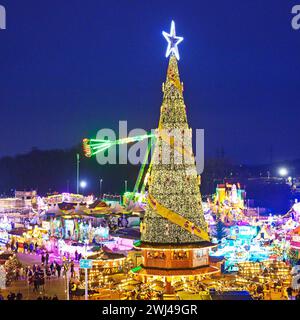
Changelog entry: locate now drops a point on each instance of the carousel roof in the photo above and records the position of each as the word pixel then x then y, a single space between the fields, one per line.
pixel 106 255
pixel 98 204
pixel 130 205
pixel 117 208
pixel 66 206
pixel 141 270
pixel 170 246
pixel 138 207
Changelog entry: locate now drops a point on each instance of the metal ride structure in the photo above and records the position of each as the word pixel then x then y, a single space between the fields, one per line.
pixel 92 147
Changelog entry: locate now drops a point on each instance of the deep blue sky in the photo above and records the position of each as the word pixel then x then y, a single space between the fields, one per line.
pixel 69 68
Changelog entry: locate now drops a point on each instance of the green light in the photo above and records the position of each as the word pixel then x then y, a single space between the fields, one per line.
pixel 93 146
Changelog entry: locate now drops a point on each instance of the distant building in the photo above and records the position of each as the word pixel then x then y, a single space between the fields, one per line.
pixel 22 202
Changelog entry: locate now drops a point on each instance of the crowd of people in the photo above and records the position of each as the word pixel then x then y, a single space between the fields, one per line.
pixel 261 291
pixel 19 296
pixel 27 247
pixel 13 296
pixel 39 273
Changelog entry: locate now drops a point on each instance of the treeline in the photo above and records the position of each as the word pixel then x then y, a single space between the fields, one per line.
pixel 48 171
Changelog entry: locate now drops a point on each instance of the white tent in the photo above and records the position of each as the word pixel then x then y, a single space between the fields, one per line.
pixel 137 207
pixel 130 205
pixel 117 208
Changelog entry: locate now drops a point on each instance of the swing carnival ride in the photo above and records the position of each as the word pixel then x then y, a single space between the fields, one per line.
pixel 92 147
pixel 174 238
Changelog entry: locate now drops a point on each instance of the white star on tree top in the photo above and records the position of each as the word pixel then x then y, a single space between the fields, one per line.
pixel 173 41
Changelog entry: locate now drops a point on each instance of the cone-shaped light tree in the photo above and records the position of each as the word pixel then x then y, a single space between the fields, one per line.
pixel 173 180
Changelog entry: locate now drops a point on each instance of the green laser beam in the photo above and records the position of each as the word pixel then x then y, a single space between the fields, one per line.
pixel 94 146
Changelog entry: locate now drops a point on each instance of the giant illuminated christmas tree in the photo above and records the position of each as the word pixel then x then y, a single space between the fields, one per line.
pixel 174 183
pixel 174 240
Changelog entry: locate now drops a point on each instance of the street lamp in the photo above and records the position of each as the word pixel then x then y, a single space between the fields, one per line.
pixel 77 172
pixel 101 180
pixel 83 185
pixel 283 172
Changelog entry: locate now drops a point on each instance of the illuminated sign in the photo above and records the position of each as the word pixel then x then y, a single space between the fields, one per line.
pixel 243 231
pixel 68 198
pixel 86 264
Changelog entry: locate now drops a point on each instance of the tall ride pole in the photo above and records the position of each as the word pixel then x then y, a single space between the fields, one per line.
pixel 77 179
pixel 101 180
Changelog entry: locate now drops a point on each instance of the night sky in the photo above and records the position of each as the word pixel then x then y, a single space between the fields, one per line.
pixel 69 68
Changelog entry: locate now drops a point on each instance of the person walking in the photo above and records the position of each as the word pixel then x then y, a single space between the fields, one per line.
pixel 17 246
pixel 11 296
pixel 19 296
pixel 43 259
pixel 48 273
pixel 42 280
pixel 21 273
pixel 76 255
pixel 289 292
pixel 17 274
pixel 47 258
pixel 36 282
pixel 58 268
pixel 12 245
pixel 72 269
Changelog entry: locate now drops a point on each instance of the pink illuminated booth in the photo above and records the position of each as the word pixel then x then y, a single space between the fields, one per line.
pixel 295 240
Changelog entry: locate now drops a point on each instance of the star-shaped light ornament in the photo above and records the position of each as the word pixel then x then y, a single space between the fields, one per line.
pixel 173 41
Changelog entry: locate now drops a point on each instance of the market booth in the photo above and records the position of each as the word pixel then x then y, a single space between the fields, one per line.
pixel 295 241
pixel 35 235
pixel 264 272
pixel 106 266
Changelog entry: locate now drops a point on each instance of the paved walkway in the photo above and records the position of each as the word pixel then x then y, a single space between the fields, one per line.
pixel 54 286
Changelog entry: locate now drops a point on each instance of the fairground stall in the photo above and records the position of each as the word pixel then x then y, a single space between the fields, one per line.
pixel 106 267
